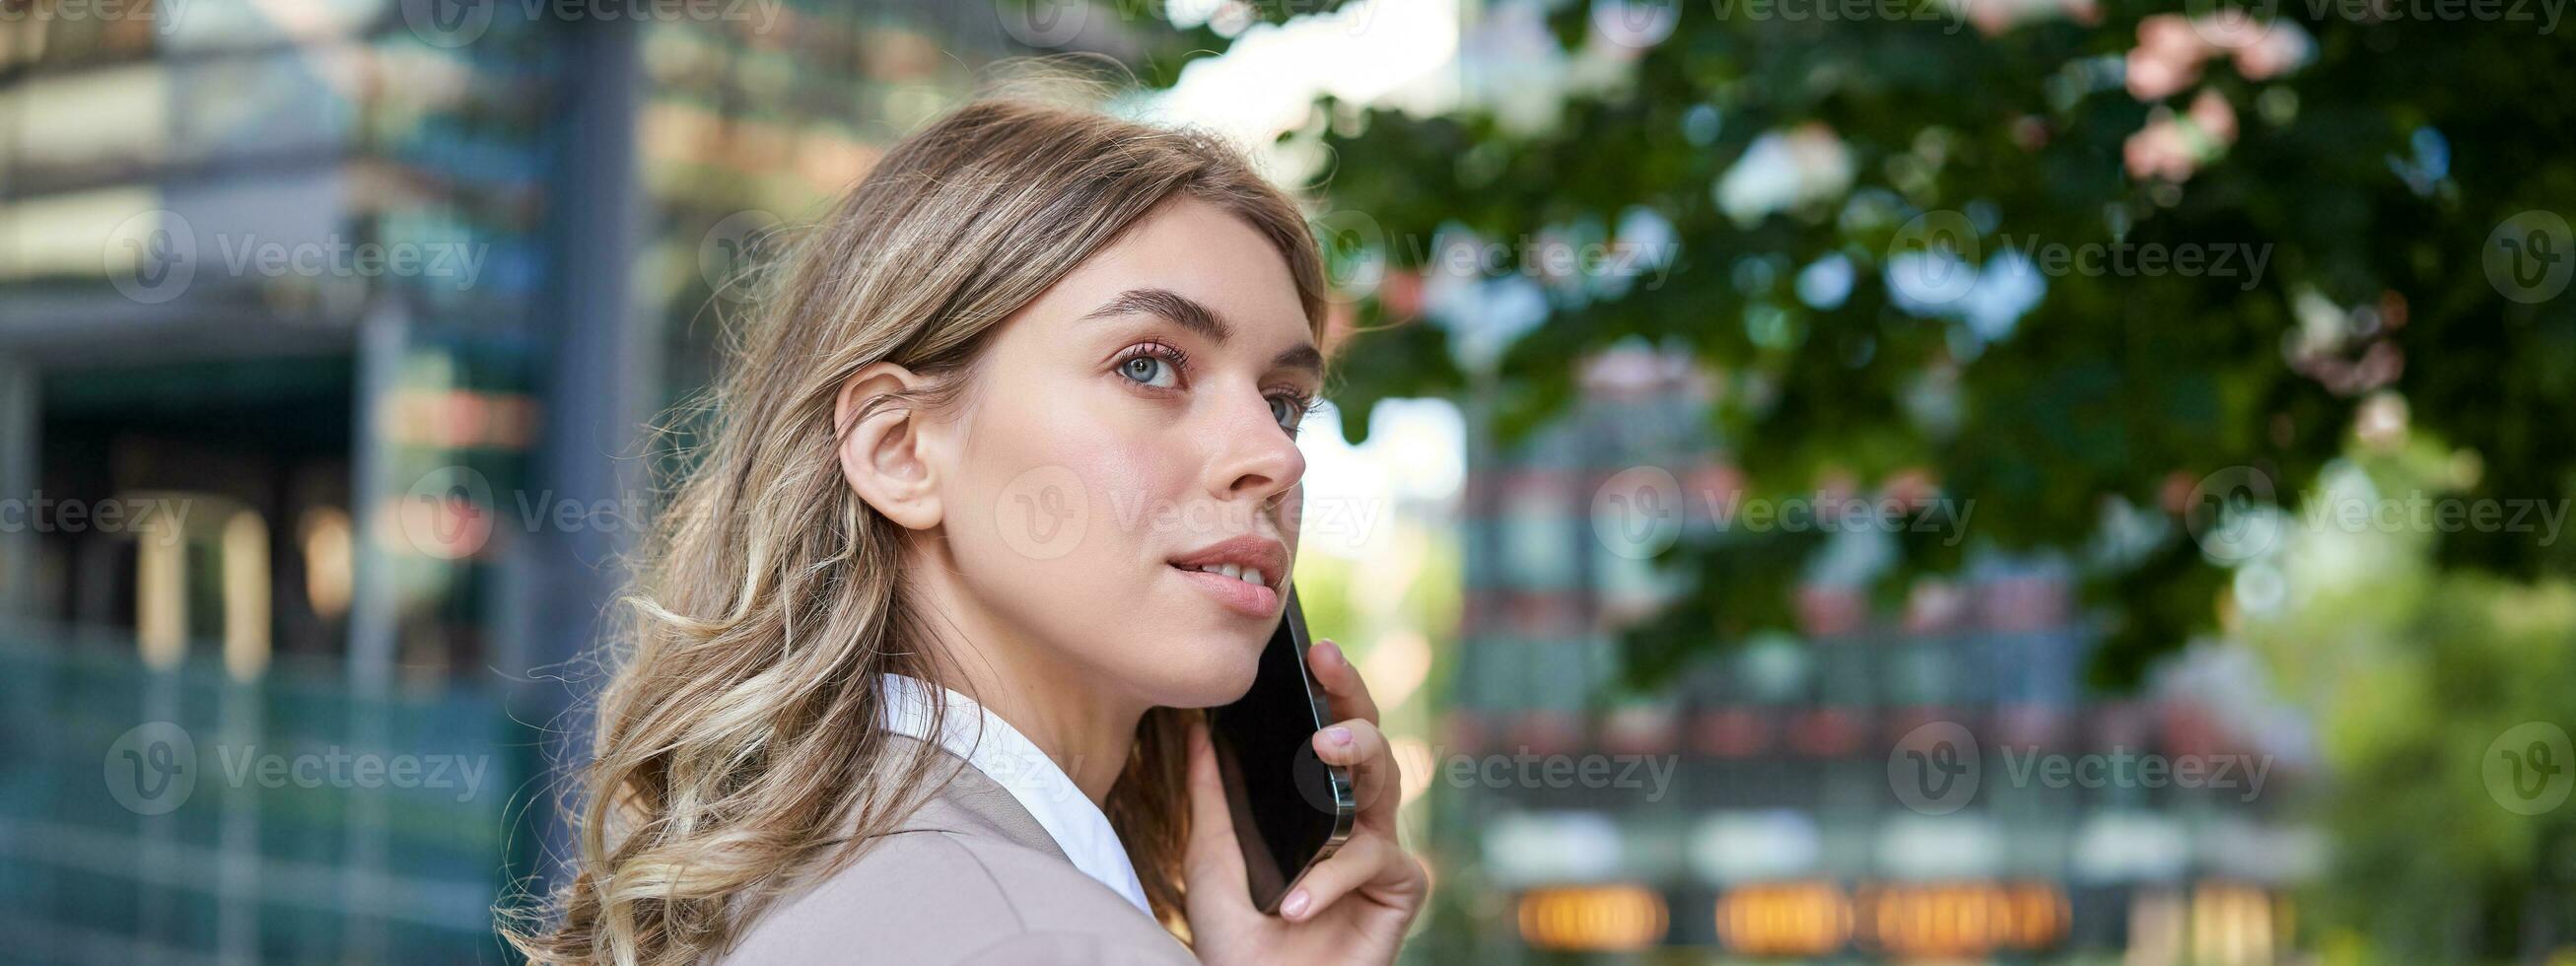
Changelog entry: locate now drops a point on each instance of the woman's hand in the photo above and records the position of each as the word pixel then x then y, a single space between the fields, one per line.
pixel 1352 908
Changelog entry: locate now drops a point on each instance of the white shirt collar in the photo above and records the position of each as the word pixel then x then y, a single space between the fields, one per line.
pixel 1014 762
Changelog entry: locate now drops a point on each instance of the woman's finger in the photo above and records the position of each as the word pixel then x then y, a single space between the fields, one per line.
pixel 1342 684
pixel 1212 861
pixel 1359 746
pixel 1365 860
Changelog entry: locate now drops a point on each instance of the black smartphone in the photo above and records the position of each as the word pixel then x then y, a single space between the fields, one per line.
pixel 1291 809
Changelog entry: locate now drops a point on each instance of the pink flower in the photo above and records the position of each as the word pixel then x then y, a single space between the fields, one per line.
pixel 2154 77
pixel 2173 146
pixel 2211 113
pixel 1991 19
pixel 2171 35
pixel 2167 58
pixel 2160 150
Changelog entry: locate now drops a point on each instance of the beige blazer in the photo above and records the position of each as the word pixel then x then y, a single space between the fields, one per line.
pixel 970 878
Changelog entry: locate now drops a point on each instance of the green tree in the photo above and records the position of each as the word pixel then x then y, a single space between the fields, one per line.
pixel 2427 687
pixel 2369 177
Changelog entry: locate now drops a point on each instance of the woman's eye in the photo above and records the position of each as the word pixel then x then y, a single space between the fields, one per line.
pixel 1289 411
pixel 1150 371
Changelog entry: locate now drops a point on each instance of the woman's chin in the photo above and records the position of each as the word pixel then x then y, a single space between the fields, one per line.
pixel 1204 679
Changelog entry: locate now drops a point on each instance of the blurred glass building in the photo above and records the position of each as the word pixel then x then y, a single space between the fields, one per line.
pixel 1934 783
pixel 326 333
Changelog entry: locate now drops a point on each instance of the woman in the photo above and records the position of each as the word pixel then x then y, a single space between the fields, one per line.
pixel 999 488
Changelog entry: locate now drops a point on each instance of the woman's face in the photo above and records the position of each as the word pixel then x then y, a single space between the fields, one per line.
pixel 1129 437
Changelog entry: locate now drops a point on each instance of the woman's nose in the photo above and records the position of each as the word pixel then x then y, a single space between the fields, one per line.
pixel 1256 458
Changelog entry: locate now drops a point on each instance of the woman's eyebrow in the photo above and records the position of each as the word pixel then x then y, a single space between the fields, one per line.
pixel 1180 309
pixel 1190 314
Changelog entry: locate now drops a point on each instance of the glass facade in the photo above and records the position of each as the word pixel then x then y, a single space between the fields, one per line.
pixel 1874 784
pixel 318 324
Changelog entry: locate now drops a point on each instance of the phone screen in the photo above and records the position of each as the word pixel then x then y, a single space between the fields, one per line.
pixel 1291 810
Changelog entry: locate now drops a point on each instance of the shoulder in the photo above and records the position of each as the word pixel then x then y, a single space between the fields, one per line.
pixel 936 896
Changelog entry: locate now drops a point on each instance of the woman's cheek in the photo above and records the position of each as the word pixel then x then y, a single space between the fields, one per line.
pixel 1292 520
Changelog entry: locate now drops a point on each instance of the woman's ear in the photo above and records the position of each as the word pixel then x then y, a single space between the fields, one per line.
pixel 885 457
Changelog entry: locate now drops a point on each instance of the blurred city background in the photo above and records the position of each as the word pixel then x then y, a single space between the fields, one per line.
pixel 1811 480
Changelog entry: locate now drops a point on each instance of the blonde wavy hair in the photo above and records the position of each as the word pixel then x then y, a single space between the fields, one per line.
pixel 738 751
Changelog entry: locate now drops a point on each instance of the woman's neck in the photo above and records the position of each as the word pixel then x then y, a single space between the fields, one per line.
pixel 1060 706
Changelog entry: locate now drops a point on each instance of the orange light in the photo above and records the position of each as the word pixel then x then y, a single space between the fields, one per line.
pixel 1959 919
pixel 1593 918
pixel 1788 919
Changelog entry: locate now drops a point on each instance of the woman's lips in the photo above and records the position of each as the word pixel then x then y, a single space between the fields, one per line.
pixel 1247 599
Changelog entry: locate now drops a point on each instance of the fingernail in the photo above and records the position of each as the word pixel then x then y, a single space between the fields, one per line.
pixel 1338 735
pixel 1334 651
pixel 1295 905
